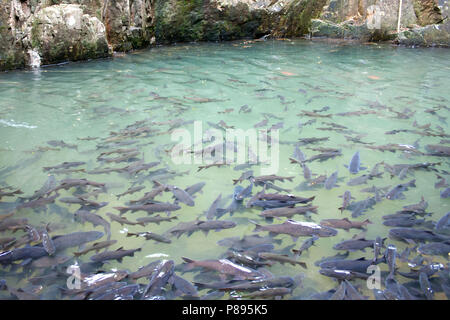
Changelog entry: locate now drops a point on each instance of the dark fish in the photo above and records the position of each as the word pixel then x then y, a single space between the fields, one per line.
pixel 281 258
pixel 163 272
pixel 268 293
pixel 130 191
pixel 118 255
pixel 415 234
pixel 211 213
pixel 324 156
pixel 62 144
pixel 358 265
pixel 22 254
pixel 156 219
pixel 403 222
pixel 306 245
pixel 445 193
pixel 47 261
pixel 443 222
pixel 225 267
pixel 435 248
pixel 48 244
pixel 345 223
pixel 75 239
pixel 182 196
pixel 287 212
pixel 96 220
pixel 199 225
pixel 355 164
pixel 149 208
pixel 246 242
pixel 297 229
pixel 343 274
pixel 354 244
pixel 150 236
pixel 65 165
pixel 97 246
pixel 331 181
pixel 145 271
pixel 346 198
pixel 123 220
pixel 191 190
pixel 426 286
pixel 244 176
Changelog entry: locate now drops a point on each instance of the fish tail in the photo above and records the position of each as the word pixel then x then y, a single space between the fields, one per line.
pixel 122 210
pixel 341 209
pixel 313 209
pixel 235 181
pixel 302 264
pixel 258 227
pixel 190 263
pixel 142 223
pixel 367 221
pixel 77 254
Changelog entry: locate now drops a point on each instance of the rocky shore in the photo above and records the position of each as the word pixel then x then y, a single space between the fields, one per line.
pixel 39 32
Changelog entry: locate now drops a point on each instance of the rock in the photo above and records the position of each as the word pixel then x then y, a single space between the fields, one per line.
pixel 63 32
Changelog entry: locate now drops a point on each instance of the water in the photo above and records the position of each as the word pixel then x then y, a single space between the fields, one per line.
pixel 95 98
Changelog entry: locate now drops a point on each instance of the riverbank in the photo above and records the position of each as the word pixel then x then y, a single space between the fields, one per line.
pixel 43 32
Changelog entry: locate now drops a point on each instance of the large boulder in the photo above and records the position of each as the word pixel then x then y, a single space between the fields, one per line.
pixel 128 23
pixel 64 32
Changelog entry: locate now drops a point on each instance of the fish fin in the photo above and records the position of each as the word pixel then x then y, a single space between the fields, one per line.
pixel 302 264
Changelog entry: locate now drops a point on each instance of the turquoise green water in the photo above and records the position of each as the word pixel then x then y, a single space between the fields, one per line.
pixel 94 98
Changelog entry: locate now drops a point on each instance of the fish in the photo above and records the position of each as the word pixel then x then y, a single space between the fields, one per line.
pixel 403 222
pixel 118 255
pixel 323 156
pixel 415 234
pixel 343 274
pixel 65 165
pixel 425 286
pixel 354 244
pixel 287 212
pixel 130 191
pixel 445 193
pixel 48 243
pixel 261 124
pixel 352 293
pixel 211 212
pixel 225 267
pixel 441 183
pixel 24 253
pixel 443 222
pixel 246 242
pixel 199 225
pixel 69 183
pixel 163 272
pixel 313 114
pixel 156 219
pixel 435 248
pixel 48 261
pixel 296 229
pixel 96 220
pixel 123 220
pixel 307 174
pixel 149 208
pixel 150 236
pixel 246 258
pixel 182 196
pixel 340 292
pixel 305 141
pixel 338 256
pixel 244 176
pixel 346 198
pixel 62 144
pixel 144 271
pixel 281 258
pixel 359 265
pixel 268 293
pixel 271 178
pixel 397 191
pixel 182 286
pixel 255 285
pixel 191 190
pixel 359 207
pixel 355 164
pixel 344 223
pixel 330 182
pixel 75 239
pixel 97 246
pixel 306 245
